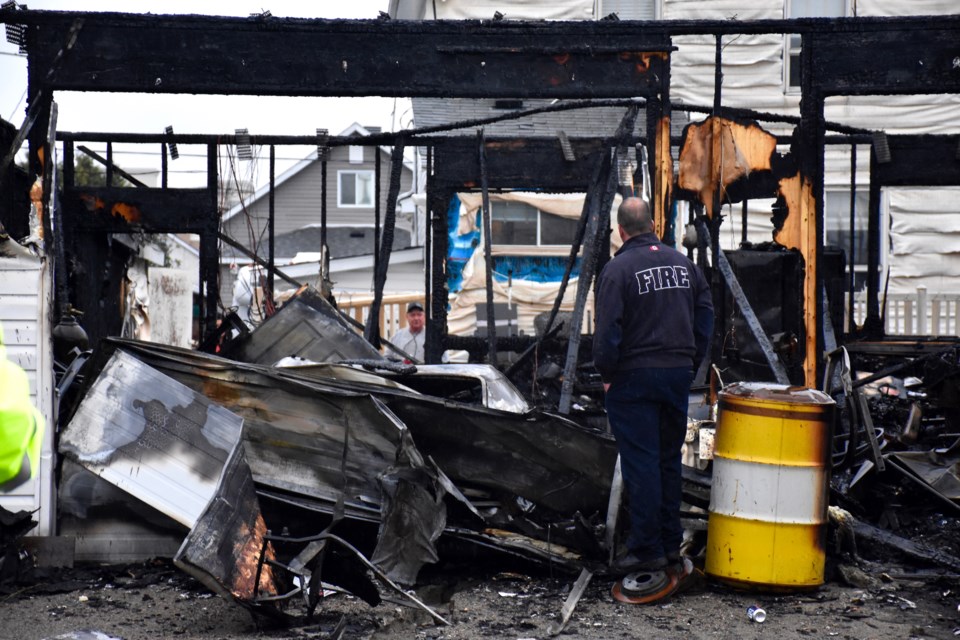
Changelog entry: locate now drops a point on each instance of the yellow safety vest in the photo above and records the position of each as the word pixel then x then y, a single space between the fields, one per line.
pixel 21 425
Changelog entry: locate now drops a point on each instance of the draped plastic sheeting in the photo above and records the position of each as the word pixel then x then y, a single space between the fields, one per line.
pixel 924 240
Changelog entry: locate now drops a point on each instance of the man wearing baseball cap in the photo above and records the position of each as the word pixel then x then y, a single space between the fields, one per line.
pixel 410 339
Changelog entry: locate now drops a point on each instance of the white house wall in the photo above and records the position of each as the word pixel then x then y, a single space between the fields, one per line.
pixel 25 301
pixel 400 278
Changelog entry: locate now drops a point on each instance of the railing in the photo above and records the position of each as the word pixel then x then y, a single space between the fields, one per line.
pixel 919 313
pixel 393 310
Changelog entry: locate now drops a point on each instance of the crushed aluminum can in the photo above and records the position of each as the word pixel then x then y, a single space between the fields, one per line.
pixel 756 614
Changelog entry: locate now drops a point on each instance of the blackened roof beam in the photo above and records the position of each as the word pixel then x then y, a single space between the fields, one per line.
pixel 216 55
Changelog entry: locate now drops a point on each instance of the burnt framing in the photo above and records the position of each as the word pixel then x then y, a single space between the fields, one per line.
pixel 271 56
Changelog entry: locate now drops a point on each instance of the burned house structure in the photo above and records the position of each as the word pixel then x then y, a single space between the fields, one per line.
pixel 788 302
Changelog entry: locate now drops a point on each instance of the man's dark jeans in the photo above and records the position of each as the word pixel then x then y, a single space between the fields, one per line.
pixel 647 410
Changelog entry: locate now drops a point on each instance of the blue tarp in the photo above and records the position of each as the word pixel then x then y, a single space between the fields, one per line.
pixel 518 267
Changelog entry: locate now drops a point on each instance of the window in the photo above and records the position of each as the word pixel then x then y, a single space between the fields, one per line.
pixel 630 9
pixel 519 223
pixel 356 189
pixel 836 214
pixel 806 9
pixel 356 154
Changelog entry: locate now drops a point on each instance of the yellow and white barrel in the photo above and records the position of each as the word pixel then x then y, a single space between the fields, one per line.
pixel 768 504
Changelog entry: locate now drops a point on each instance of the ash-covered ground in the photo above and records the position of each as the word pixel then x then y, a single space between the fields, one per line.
pixel 860 600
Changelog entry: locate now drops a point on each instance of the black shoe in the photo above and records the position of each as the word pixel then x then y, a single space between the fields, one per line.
pixel 631 563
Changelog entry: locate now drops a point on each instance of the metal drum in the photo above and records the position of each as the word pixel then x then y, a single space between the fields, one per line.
pixel 768 505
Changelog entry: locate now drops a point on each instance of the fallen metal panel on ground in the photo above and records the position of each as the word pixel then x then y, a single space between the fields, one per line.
pixel 152 437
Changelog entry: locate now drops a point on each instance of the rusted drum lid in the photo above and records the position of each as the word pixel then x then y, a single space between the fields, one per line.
pixel 769 393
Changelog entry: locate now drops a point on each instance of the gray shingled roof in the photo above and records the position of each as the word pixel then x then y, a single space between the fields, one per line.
pixel 578 123
pixel 344 242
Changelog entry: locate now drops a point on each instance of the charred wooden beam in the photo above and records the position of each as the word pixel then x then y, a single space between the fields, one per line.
pixel 382 252
pixel 531 163
pixel 487 248
pixel 286 56
pixel 123 210
pixel 901 60
pixel 920 160
pixel 601 197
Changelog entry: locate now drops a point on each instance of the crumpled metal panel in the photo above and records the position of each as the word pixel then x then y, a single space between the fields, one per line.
pixel 152 437
pixel 413 517
pixel 223 549
pixel 544 458
pixel 939 470
pixel 306 326
pixel 294 433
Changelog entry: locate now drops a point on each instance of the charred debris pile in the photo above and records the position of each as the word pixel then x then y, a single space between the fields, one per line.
pixel 339 469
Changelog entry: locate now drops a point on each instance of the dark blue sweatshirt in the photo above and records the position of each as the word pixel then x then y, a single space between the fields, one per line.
pixel 653 309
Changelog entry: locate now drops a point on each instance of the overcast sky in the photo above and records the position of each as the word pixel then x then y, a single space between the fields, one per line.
pixel 202 114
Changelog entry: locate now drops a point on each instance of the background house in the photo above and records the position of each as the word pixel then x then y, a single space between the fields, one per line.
pixel 350 199
pixel 761 72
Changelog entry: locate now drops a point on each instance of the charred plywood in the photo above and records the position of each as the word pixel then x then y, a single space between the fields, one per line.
pixel 718 152
pixel 152 437
pixel 118 210
pixel 799 231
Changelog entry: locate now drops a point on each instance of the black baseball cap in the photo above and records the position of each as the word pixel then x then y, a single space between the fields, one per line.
pixel 414 306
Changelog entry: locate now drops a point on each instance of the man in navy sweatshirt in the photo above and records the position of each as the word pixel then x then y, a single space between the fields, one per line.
pixel 654 318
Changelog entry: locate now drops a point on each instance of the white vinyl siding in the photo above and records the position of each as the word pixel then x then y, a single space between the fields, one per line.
pixel 25 298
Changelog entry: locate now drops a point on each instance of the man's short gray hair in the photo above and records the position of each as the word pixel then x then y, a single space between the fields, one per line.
pixel 634 216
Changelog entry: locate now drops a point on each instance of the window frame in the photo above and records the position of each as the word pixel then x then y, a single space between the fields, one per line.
pixel 863 213
pixel 340 173
pixel 539 227
pixel 849 9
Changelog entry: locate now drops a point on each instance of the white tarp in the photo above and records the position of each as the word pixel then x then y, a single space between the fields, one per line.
pixel 924 239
